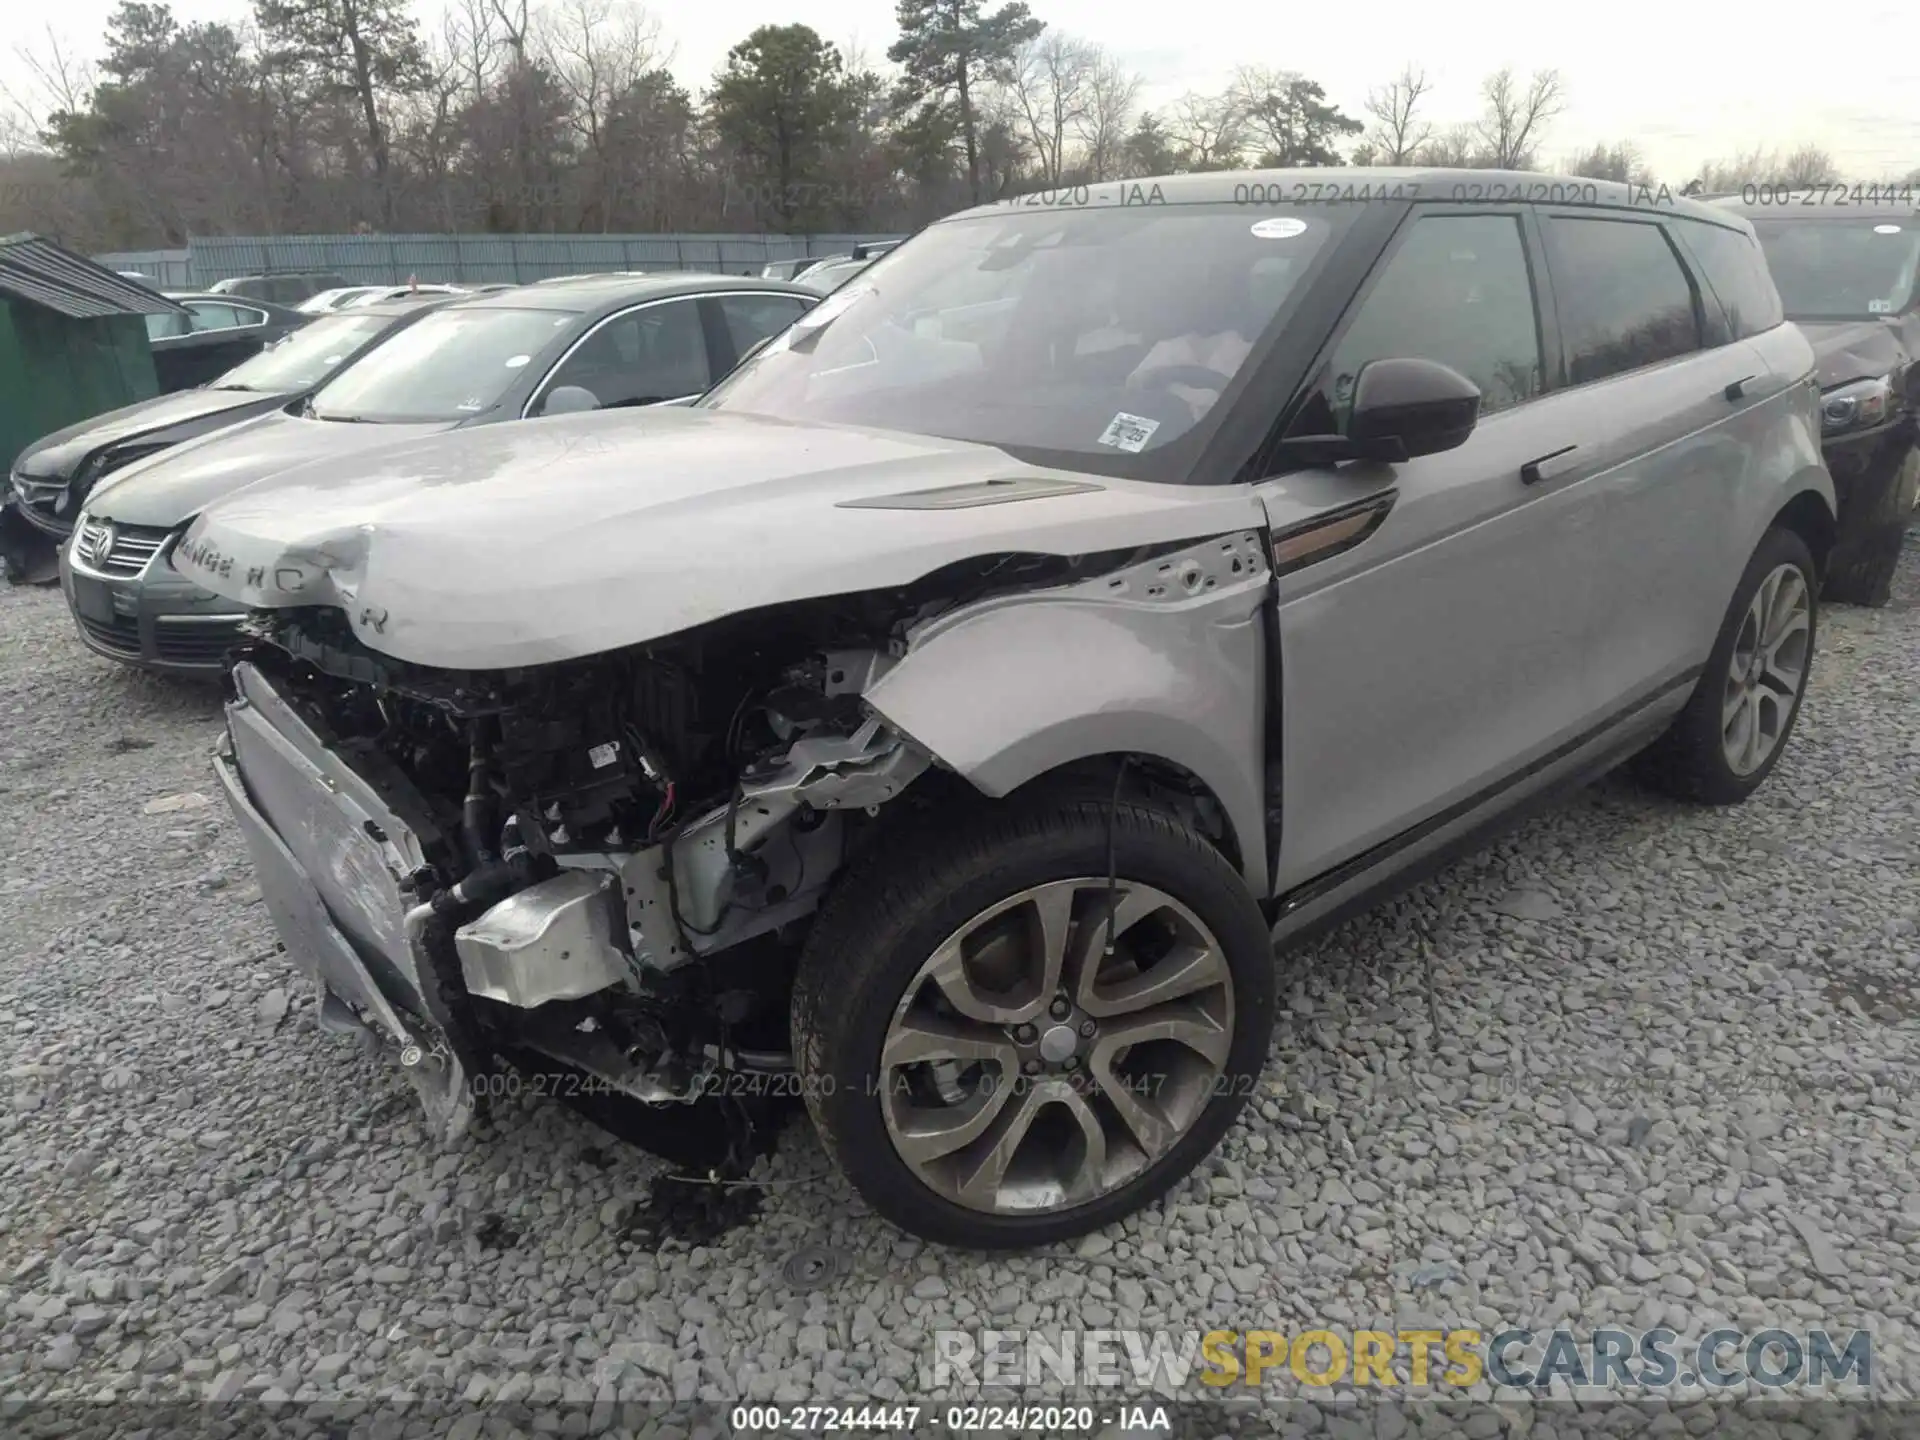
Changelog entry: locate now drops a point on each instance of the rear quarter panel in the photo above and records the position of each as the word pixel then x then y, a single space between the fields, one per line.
pixel 1784 444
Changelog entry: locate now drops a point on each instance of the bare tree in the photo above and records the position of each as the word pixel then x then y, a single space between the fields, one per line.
pixel 1517 116
pixel 1620 162
pixel 1113 102
pixel 1807 166
pixel 1208 131
pixel 598 50
pixel 1051 91
pixel 470 37
pixel 58 80
pixel 1398 134
pixel 1455 148
pixel 1750 167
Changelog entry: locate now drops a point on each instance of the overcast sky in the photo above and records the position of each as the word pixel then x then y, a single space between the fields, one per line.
pixel 1686 80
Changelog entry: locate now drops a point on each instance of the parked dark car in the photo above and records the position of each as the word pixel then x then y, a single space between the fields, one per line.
pixel 215 334
pixel 824 279
pixel 289 288
pixel 1849 276
pixel 53 476
pixel 401 292
pixel 327 301
pixel 596 343
pixel 791 269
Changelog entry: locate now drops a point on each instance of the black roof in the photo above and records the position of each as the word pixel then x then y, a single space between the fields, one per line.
pixel 44 273
pixel 591 292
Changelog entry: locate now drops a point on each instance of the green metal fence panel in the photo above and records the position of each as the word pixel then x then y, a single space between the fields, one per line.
pixel 491 259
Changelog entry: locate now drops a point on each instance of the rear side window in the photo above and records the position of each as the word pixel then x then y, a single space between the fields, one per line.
pixel 1624 299
pixel 1736 270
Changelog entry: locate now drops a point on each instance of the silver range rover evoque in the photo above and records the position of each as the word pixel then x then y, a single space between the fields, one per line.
pixel 944 718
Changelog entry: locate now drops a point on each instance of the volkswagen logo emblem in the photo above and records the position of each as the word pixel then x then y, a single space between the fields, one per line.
pixel 99 544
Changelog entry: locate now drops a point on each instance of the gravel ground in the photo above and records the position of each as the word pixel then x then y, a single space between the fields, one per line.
pixel 1659 1067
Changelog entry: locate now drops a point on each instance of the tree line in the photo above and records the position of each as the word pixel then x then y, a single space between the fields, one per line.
pixel 324 116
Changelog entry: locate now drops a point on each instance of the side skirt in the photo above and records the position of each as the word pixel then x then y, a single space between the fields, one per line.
pixel 1394 865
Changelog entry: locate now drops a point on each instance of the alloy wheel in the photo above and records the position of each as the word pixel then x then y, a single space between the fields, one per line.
pixel 1056 1045
pixel 1768 669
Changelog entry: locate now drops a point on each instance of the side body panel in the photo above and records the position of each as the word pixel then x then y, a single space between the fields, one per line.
pixel 1446 650
pixel 1165 659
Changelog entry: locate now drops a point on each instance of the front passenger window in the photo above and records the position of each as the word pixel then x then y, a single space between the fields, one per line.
pixel 655 353
pixel 1456 290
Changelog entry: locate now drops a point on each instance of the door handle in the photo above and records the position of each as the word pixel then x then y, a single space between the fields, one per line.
pixel 1738 389
pixel 1548 466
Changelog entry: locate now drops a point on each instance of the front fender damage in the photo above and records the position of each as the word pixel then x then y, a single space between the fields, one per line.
pixel 1165 658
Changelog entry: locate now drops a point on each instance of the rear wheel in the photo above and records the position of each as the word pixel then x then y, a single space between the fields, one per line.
pixel 1734 729
pixel 987 1068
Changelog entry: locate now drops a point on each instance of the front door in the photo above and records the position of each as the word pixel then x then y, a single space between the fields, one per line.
pixel 1438 656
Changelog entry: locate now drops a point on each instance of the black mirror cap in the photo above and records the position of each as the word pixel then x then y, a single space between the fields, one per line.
pixel 1405 407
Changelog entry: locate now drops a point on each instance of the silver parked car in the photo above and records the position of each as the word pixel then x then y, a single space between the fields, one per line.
pixel 942 719
pixel 473 360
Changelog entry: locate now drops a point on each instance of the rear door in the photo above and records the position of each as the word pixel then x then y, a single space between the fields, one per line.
pixel 1442 650
pixel 1661 400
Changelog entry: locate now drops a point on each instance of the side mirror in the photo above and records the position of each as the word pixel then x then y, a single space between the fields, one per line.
pixel 1404 408
pixel 569 400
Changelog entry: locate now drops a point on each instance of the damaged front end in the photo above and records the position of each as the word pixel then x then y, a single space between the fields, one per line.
pixel 599 870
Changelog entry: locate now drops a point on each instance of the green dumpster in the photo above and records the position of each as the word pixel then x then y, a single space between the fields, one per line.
pixel 73 344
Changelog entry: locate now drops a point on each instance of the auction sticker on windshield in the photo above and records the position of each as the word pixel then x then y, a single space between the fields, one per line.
pixel 1282 227
pixel 1129 432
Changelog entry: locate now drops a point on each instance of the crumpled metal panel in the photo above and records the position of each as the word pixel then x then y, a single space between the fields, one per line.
pixel 349 842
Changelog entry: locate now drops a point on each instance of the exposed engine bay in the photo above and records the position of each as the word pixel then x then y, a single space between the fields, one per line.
pixel 612 862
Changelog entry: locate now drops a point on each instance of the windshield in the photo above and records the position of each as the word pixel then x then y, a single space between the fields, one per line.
pixel 306 356
pixel 449 366
pixel 1094 338
pixel 1845 269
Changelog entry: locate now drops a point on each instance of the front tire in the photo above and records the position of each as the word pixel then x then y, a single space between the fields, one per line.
pixel 1736 726
pixel 981 1067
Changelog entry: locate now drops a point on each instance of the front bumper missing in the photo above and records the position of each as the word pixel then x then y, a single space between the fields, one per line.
pixel 332 858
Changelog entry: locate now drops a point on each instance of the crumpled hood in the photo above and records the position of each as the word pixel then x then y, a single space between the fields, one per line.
pixel 1849 350
pixel 173 486
pixel 546 540
pixel 187 412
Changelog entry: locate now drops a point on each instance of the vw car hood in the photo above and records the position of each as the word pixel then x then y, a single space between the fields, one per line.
pixel 173 486
pixel 557 538
pixel 57 456
pixel 1846 350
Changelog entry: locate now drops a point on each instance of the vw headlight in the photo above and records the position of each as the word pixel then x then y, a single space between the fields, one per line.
pixel 1859 405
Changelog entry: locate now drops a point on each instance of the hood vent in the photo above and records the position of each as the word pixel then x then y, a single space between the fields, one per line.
pixel 965 497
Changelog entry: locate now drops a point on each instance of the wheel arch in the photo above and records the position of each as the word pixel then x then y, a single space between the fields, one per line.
pixel 1810 515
